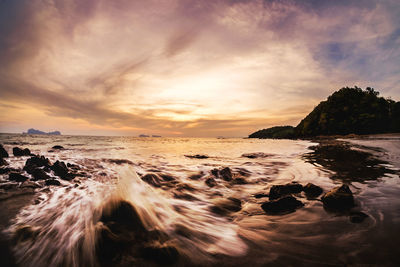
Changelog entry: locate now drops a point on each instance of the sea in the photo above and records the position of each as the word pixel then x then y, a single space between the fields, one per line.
pixel 60 223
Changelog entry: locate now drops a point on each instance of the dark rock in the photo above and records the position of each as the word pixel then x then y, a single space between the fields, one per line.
pixel 3 152
pixel 152 179
pixel 224 206
pixel 3 162
pixel 226 174
pixel 278 191
pixel 312 190
pixel 34 162
pixel 261 195
pixel 119 161
pixel 196 176
pixel 239 180
pixel 61 170
pixel 8 185
pixel 215 172
pixel 197 156
pixel 17 177
pixel 211 182
pixel 167 177
pixel 52 182
pixel 339 199
pixel 58 147
pixel 286 204
pixel 165 255
pixel 357 217
pixel 185 196
pixel 21 152
pixel 256 155
pixel 7 170
pixel 40 174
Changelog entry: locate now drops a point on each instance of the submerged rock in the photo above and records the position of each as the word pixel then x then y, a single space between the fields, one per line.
pixel 13 176
pixel 312 190
pixel 211 182
pixel 283 205
pixel 239 180
pixel 40 174
pixel 3 152
pixel 21 152
pixel 226 174
pixel 278 191
pixel 357 217
pixel 224 206
pixel 162 255
pixel 215 172
pixel 256 155
pixel 3 162
pixel 340 198
pixel 197 156
pixel 196 176
pixel 58 147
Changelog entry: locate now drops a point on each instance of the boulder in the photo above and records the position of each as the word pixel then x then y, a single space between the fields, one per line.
pixel 312 190
pixel 211 182
pixel 196 176
pixel 339 199
pixel 215 172
pixel 57 147
pixel 197 156
pixel 239 180
pixel 13 176
pixel 152 179
pixel 226 174
pixel 224 206
pixel 52 182
pixel 21 152
pixel 34 162
pixel 283 205
pixel 278 191
pixel 261 195
pixel 3 152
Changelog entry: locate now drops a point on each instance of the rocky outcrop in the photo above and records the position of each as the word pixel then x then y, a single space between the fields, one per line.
pixel 312 190
pixel 61 170
pixel 13 176
pixel 226 174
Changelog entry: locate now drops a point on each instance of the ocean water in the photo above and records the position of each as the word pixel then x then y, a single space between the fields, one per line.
pixel 64 218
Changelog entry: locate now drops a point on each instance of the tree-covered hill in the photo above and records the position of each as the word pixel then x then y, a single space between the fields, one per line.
pixel 277 132
pixel 347 111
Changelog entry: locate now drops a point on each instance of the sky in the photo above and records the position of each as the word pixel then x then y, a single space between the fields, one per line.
pixel 185 67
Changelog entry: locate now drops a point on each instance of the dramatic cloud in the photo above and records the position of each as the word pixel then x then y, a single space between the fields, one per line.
pixel 187 68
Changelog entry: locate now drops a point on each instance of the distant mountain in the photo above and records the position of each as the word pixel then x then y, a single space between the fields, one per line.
pixel 34 131
pixel 347 111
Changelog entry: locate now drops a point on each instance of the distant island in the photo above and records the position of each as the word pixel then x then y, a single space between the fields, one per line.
pixel 346 111
pixel 34 131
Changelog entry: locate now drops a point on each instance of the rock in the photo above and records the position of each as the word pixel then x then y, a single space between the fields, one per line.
pixel 223 206
pixel 3 152
pixel 286 204
pixel 21 152
pixel 152 179
pixel 261 195
pixel 196 176
pixel 215 172
pixel 256 155
pixel 7 170
pixel 3 162
pixel 164 255
pixel 197 156
pixel 226 174
pixel 185 196
pixel 40 174
pixel 278 191
pixel 239 180
pixel 357 217
pixel 312 190
pixel 339 199
pixel 61 170
pixel 34 162
pixel 211 182
pixel 52 182
pixel 8 186
pixel 13 176
pixel 58 147
pixel 167 177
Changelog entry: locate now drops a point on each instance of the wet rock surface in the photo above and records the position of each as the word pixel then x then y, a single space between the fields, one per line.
pixel 283 205
pixel 3 162
pixel 13 176
pixel 21 152
pixel 338 199
pixel 197 156
pixel 278 191
pixel 3 152
pixel 224 206
pixel 312 190
pixel 256 155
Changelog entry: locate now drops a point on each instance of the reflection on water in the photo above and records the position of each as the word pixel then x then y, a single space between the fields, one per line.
pixel 143 200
